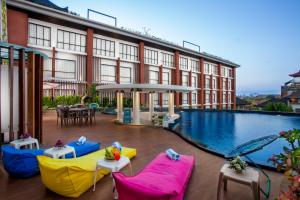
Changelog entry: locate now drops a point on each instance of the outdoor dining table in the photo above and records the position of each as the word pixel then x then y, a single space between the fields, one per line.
pixel 78 113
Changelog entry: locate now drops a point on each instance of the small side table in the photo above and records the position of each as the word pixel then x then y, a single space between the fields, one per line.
pixel 25 142
pixel 61 152
pixel 249 177
pixel 112 166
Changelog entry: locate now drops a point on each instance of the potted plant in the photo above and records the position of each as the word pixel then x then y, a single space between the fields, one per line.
pixel 25 136
pixel 238 165
pixel 59 144
pixel 289 162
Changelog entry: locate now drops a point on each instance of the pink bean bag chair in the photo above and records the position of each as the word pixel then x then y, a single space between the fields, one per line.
pixel 162 179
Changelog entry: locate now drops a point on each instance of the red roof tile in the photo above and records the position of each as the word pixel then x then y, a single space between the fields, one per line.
pixel 297 74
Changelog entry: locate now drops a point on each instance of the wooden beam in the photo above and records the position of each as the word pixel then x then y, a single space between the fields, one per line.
pixel 30 92
pixel 0 94
pixel 21 92
pixel 11 95
pixel 38 91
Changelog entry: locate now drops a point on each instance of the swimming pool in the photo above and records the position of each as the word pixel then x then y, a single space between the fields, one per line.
pixel 220 132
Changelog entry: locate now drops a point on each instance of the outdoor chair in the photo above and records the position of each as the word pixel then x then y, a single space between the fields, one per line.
pixel 83 116
pixel 83 149
pixel 162 179
pixel 93 115
pixel 72 177
pixel 94 106
pixel 21 163
pixel 58 113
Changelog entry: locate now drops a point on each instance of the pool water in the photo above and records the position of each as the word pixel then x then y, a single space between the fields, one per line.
pixel 223 131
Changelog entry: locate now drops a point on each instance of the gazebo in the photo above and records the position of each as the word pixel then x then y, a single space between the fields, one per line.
pixel 136 90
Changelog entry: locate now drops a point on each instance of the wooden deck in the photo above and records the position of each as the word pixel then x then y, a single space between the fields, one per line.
pixel 149 142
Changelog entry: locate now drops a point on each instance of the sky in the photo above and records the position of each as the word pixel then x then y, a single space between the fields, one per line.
pixel 263 36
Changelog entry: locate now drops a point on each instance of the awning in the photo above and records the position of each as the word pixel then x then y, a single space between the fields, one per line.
pixel 49 86
pixel 145 88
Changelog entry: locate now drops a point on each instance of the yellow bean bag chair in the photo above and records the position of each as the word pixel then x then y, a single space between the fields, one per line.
pixel 72 177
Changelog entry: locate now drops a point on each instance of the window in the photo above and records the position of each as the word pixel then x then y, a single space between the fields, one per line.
pixel 184 98
pixel 167 60
pixel 128 52
pixel 229 97
pixel 183 63
pixel 153 77
pixel 214 83
pixel 214 97
pixel 229 85
pixel 165 98
pixel 47 68
pixel 185 80
pixel 155 99
pixel 224 84
pixel 151 56
pixel 224 97
pixel 207 82
pixel 223 71
pixel 39 35
pixel 71 41
pixel 104 47
pixel 194 98
pixel 108 73
pixel 194 81
pixel 214 70
pixel 125 75
pixel 207 97
pixel 65 69
pixel 206 68
pixel 195 66
pixel 230 73
pixel 166 78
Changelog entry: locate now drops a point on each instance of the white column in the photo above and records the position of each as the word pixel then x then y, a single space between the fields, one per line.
pixel 118 107
pixel 151 106
pixel 136 108
pixel 171 103
pixel 121 106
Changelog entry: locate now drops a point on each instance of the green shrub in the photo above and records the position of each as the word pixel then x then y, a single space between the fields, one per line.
pixel 279 107
pixel 105 102
pixel 127 102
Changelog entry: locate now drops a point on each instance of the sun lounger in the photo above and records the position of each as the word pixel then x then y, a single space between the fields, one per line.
pixel 72 177
pixel 162 179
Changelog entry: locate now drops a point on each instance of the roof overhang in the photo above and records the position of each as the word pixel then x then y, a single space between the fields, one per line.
pixel 53 13
pixel 145 88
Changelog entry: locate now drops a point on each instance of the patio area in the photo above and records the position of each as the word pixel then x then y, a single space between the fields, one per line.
pixel 149 142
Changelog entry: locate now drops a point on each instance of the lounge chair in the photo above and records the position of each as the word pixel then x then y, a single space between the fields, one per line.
pixel 72 177
pixel 162 179
pixel 21 163
pixel 83 149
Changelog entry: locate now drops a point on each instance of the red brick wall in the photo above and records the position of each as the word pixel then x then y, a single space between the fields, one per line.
pixel 118 71
pixel 17 27
pixel 220 95
pixel 89 56
pixel 160 81
pixel 201 83
pixel 190 84
pixel 177 76
pixel 233 98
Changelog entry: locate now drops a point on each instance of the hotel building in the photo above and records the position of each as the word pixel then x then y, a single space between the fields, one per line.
pixel 83 52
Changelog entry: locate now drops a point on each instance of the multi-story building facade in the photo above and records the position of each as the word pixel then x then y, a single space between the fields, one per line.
pixel 290 91
pixel 82 52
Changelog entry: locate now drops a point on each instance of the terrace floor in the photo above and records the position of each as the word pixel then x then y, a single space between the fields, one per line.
pixel 149 141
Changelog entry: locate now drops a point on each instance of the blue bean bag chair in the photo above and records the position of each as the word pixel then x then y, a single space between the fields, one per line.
pixel 21 163
pixel 83 149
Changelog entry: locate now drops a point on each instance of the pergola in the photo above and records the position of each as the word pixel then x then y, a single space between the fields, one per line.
pixel 136 89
